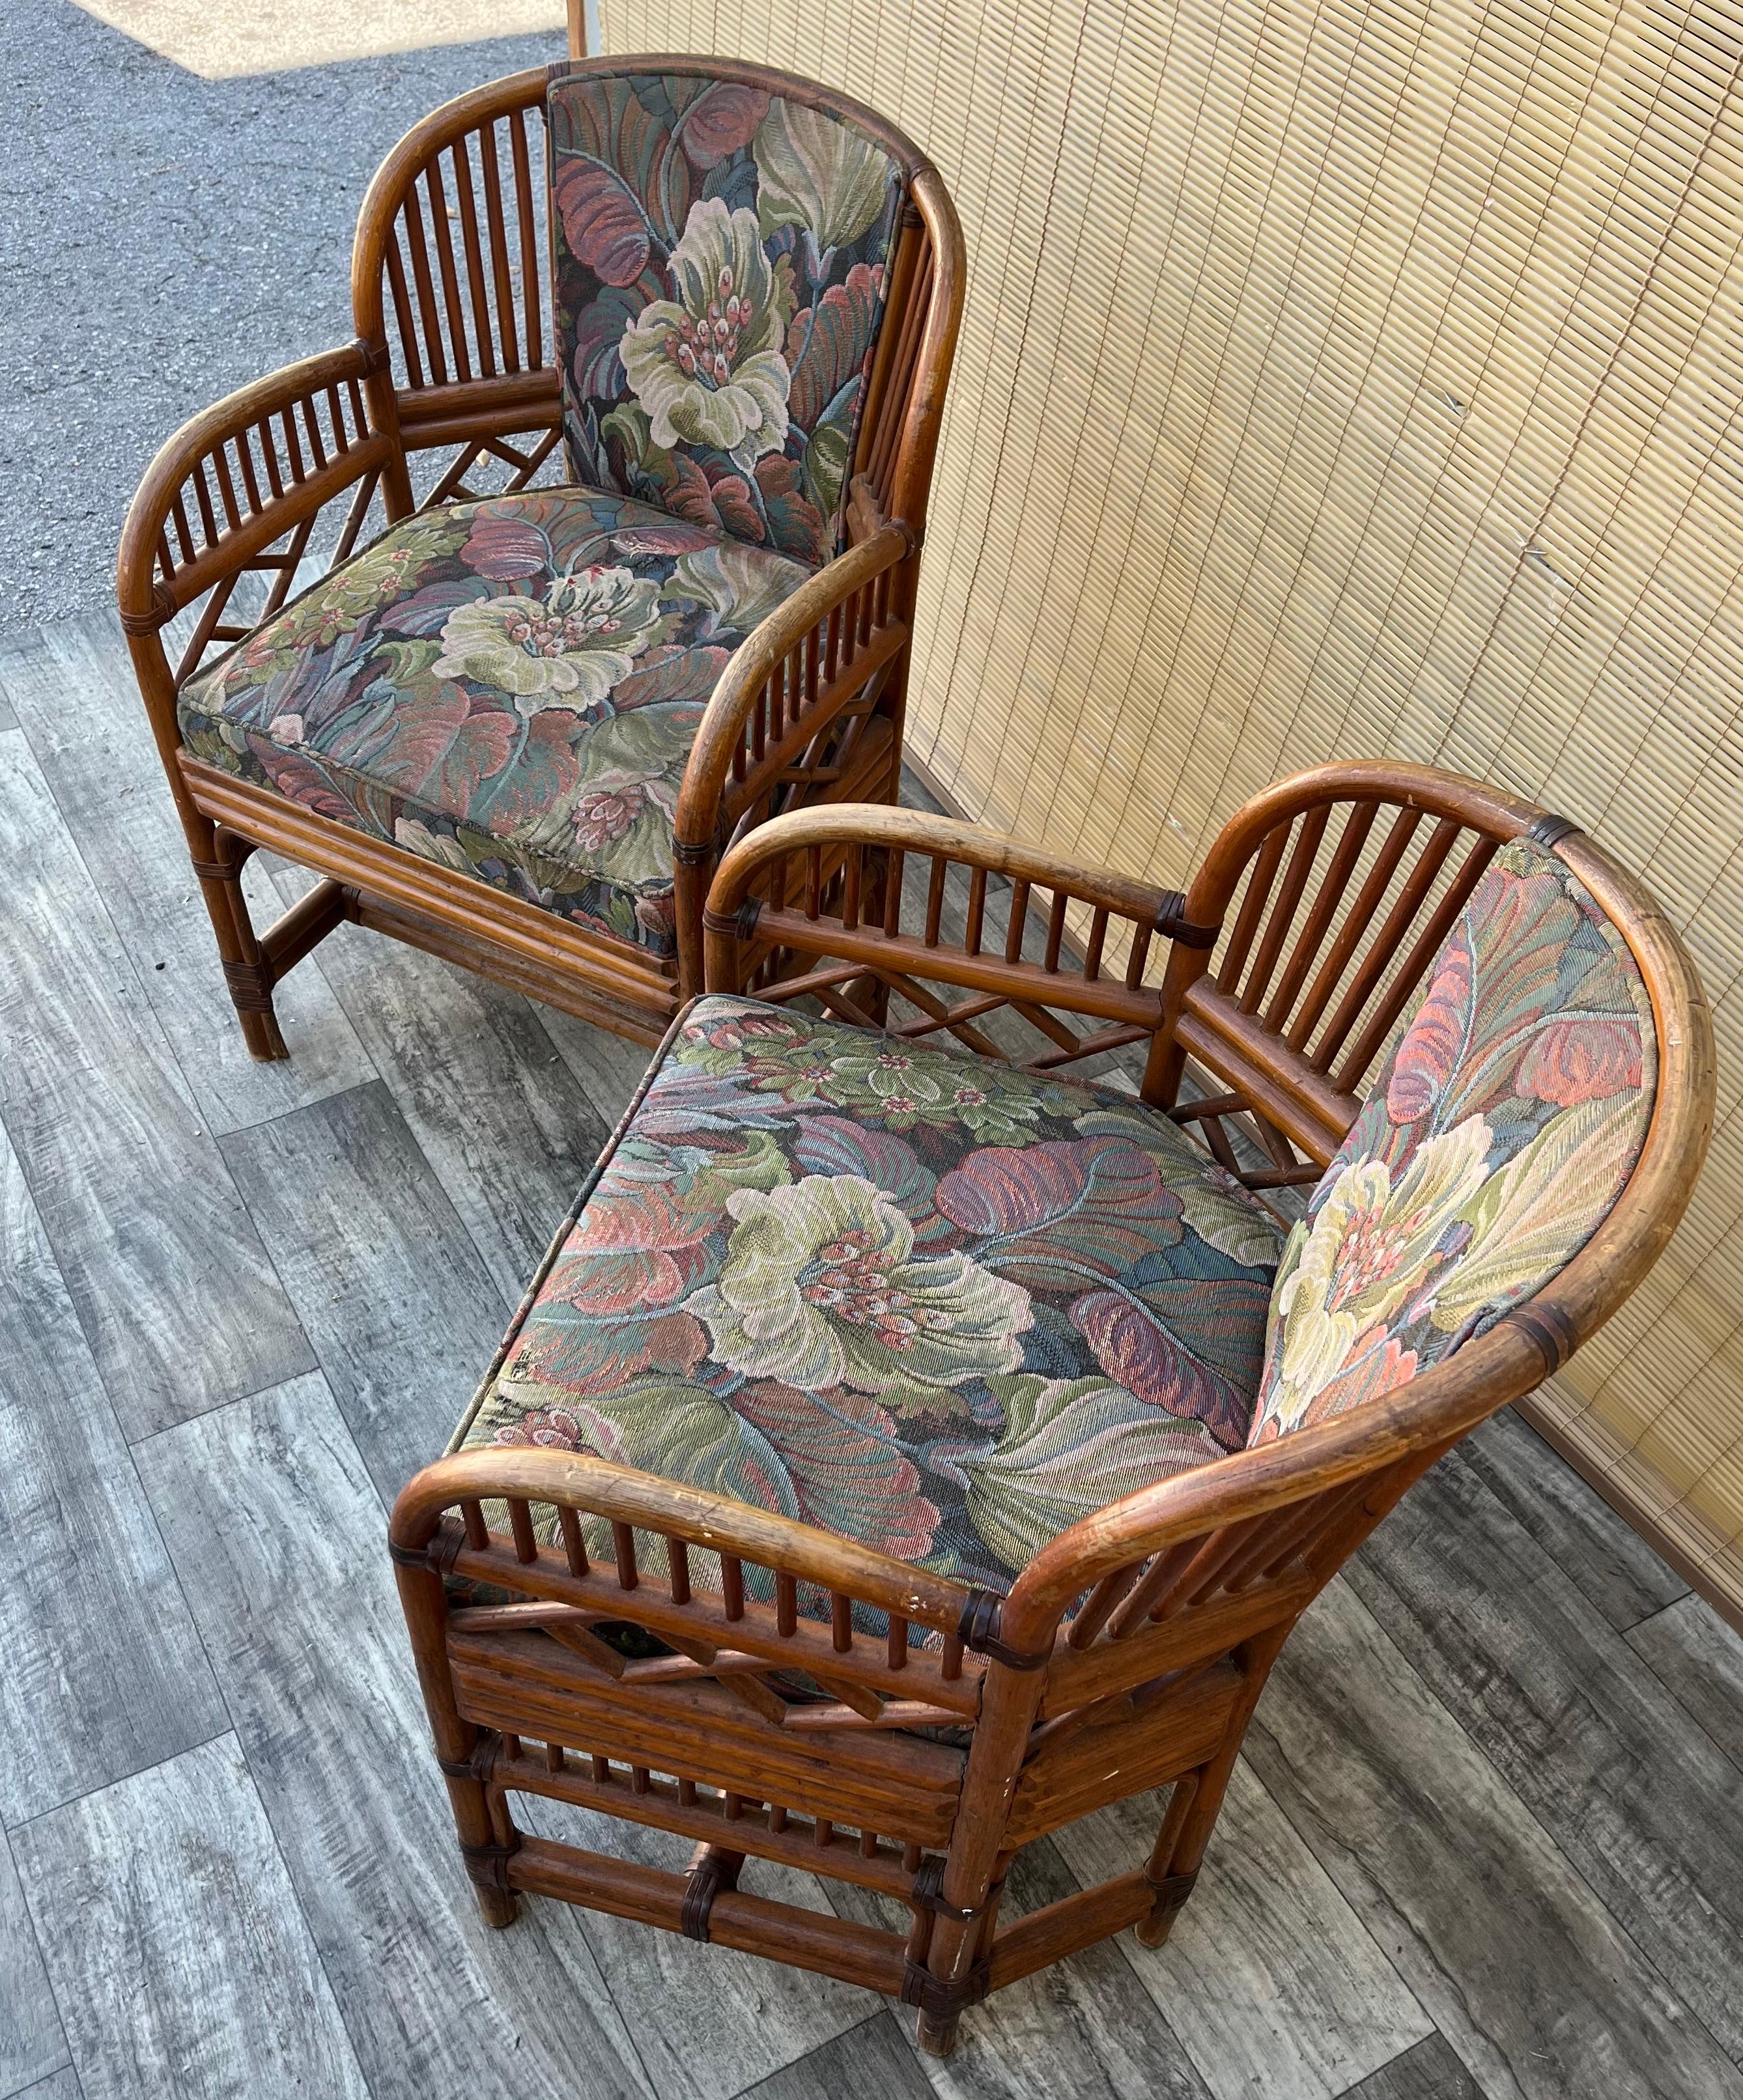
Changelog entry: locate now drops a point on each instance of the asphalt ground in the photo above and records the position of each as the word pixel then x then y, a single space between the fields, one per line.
pixel 163 239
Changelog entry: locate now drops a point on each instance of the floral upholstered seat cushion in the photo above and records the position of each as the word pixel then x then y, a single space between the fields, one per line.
pixel 721 256
pixel 1492 1146
pixel 917 1299
pixel 509 687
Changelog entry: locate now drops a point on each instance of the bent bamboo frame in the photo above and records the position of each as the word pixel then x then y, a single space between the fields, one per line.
pixel 450 280
pixel 1130 1653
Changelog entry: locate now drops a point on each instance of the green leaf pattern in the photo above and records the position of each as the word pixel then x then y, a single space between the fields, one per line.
pixel 508 688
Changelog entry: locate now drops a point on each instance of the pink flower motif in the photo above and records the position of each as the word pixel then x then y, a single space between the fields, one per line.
pixel 553 1429
pixel 605 812
pixel 1376 1362
pixel 656 915
pixel 285 729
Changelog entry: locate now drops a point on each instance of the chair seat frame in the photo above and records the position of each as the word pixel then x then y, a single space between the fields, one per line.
pixel 450 376
pixel 1131 1653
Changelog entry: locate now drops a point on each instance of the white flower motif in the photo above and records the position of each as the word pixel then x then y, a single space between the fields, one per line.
pixel 820 1287
pixel 568 649
pixel 1368 1250
pixel 707 366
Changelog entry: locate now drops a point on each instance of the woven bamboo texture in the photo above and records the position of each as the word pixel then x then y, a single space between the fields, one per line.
pixel 1342 379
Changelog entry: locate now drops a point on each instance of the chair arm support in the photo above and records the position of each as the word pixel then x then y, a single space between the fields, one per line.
pixel 239 475
pixel 715 1522
pixel 743 922
pixel 848 585
pixel 919 831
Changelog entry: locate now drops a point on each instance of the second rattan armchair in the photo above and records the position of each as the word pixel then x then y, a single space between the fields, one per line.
pixel 518 727
pixel 906 1450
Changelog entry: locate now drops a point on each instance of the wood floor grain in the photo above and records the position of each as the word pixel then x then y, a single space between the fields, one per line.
pixel 870 2062
pixel 1429 2071
pixel 62 2085
pixel 1269 1978
pixel 1614 1566
pixel 133 1192
pixel 1647 1808
pixel 1541 1992
pixel 282 1543
pixel 179 1959
pixel 32 2046
pixel 89 1604
pixel 1699 1660
pixel 396 1298
pixel 488 1098
pixel 101 765
pixel 608 1069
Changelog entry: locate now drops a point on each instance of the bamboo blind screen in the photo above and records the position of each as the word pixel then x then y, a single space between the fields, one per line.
pixel 1339 379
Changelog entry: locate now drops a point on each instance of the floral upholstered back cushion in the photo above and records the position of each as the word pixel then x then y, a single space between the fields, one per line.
pixel 919 1300
pixel 1492 1146
pixel 720 263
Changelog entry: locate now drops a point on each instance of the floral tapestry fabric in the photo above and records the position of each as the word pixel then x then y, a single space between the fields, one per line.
pixel 721 255
pixel 1493 1145
pixel 917 1299
pixel 510 687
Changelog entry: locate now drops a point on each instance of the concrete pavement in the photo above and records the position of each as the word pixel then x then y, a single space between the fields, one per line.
pixel 164 238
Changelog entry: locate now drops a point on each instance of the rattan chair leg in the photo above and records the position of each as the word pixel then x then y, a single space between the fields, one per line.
pixel 1171 1889
pixel 218 863
pixel 957 1964
pixel 937 2037
pixel 464 1751
pixel 1197 1798
pixel 499 1908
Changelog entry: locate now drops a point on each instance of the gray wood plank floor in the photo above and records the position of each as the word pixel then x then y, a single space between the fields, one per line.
pixel 1488 1839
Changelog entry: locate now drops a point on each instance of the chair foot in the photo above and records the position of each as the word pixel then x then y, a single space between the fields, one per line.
pixel 251 994
pixel 260 1032
pixel 487 1865
pixel 1171 1893
pixel 937 2037
pixel 247 972
pixel 499 1908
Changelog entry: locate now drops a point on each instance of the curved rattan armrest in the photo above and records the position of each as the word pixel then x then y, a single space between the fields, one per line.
pixel 241 474
pixel 623 1495
pixel 1419 1419
pixel 754 908
pixel 840 584
pixel 918 830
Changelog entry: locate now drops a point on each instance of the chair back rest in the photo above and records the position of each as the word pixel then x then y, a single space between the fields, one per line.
pixel 1494 1140
pixel 723 242
pixel 1528 981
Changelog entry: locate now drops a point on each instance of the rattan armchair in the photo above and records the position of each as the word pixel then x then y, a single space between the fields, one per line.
pixel 517 724
pixel 908 1449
